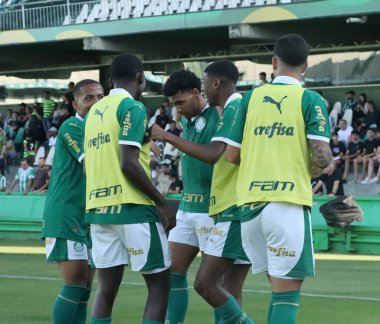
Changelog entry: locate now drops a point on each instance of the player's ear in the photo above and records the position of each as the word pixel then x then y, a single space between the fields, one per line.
pixel 196 92
pixel 304 68
pixel 140 78
pixel 75 104
pixel 216 83
pixel 274 63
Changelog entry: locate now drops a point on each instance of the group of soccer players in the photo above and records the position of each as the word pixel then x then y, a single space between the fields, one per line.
pixel 246 168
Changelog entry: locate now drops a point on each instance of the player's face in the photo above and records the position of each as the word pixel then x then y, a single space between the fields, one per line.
pixel 89 95
pixel 209 90
pixel 141 85
pixel 187 103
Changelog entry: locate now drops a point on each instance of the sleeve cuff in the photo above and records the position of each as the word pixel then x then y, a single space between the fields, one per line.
pixel 80 159
pixel 226 140
pixel 130 143
pixel 318 138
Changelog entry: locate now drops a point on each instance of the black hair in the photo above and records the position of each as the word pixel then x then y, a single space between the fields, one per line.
pixel 77 88
pixel 124 67
pixel 263 74
pixel 355 132
pixel 292 49
pixel 173 174
pixel 47 92
pixel 223 69
pixel 181 80
pixel 334 134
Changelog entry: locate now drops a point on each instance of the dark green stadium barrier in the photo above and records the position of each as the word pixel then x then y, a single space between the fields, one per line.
pixel 21 217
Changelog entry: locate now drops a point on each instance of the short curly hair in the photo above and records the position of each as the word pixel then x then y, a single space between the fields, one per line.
pixel 181 80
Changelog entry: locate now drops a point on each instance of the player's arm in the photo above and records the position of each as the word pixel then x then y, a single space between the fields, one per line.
pixel 209 153
pixel 321 156
pixel 14 182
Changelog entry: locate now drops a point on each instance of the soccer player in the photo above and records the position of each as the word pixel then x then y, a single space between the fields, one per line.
pixel 199 122
pixel 218 277
pixel 24 176
pixel 65 232
pixel 285 136
pixel 121 199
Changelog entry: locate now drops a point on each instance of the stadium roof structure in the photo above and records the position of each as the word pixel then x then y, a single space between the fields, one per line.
pixel 164 41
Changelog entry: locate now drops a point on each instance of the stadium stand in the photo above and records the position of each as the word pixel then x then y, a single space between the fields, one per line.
pixel 17 14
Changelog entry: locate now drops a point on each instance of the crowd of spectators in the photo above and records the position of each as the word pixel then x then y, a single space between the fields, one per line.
pixel 355 141
pixel 27 139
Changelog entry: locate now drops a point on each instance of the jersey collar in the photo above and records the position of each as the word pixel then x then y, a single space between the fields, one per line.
pixel 232 97
pixel 204 109
pixel 287 80
pixel 78 117
pixel 117 91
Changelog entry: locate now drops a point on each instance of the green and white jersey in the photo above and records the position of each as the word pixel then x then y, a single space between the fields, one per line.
pixel 23 176
pixel 223 187
pixel 65 202
pixel 196 174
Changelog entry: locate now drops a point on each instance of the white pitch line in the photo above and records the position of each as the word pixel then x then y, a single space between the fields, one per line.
pixel 128 283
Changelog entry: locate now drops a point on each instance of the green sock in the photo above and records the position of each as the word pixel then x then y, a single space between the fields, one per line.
pixel 269 315
pixel 217 319
pixel 178 299
pixel 230 313
pixel 81 313
pixel 285 307
pixel 106 320
pixel 65 306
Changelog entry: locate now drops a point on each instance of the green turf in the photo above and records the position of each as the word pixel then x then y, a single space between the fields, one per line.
pixel 29 300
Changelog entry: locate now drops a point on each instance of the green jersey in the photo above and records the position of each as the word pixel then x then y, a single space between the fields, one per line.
pixel 23 176
pixel 223 187
pixel 65 203
pixel 196 175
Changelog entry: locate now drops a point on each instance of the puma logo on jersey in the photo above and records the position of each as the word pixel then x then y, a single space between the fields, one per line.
pixel 274 102
pixel 99 113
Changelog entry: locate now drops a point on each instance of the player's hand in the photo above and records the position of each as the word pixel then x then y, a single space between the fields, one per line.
pixel 168 214
pixel 157 133
pixel 155 149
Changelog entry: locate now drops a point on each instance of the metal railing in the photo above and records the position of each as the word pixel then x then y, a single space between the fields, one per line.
pixel 42 14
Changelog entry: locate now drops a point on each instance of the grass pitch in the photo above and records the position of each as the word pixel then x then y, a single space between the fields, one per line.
pixel 343 292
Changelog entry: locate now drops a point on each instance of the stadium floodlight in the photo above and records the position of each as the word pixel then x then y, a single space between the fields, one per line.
pixel 356 20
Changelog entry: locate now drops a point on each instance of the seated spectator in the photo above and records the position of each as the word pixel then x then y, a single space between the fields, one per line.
pixel 349 105
pixel 8 119
pixel 344 132
pixel 3 181
pixel 8 154
pixel 42 178
pixel 24 176
pixel 372 118
pixel 163 178
pixel 332 180
pixel 175 184
pixel 354 149
pixel 370 146
pixel 29 148
pixel 171 153
pixel 360 111
pixel 3 139
pixel 162 119
pixel 338 149
pixel 18 139
pixel 52 134
pixel 173 128
pixel 375 161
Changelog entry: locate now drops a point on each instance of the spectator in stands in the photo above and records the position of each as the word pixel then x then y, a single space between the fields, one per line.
pixel 1 120
pixel 48 106
pixel 70 86
pixel 344 132
pixel 370 146
pixel 350 102
pixel 9 153
pixel 162 119
pixel 24 176
pixel 52 134
pixel 23 115
pixel 372 117
pixel 8 119
pixel 3 139
pixel 338 150
pixel 163 178
pixel 36 129
pixel 18 139
pixel 29 148
pixel 332 180
pixel 360 111
pixel 42 178
pixel 354 149
pixel 173 128
pixel 375 161
pixel 3 181
pixel 263 79
pixel 175 184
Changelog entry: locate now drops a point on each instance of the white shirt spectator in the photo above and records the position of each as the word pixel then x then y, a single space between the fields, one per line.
pixel 52 140
pixel 344 135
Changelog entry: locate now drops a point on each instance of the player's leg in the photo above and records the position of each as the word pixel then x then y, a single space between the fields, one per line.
pixel 185 241
pixel 149 255
pixel 71 258
pixel 364 169
pixel 110 257
pixel 217 273
pixel 290 257
pixel 346 168
pixel 356 168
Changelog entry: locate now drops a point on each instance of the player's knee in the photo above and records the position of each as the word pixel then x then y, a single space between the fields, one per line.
pixel 202 285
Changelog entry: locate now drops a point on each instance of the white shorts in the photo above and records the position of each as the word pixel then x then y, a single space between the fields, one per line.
pixel 192 229
pixel 59 249
pixel 143 246
pixel 278 240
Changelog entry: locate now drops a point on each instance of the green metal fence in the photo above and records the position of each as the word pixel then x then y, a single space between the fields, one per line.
pixel 21 217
